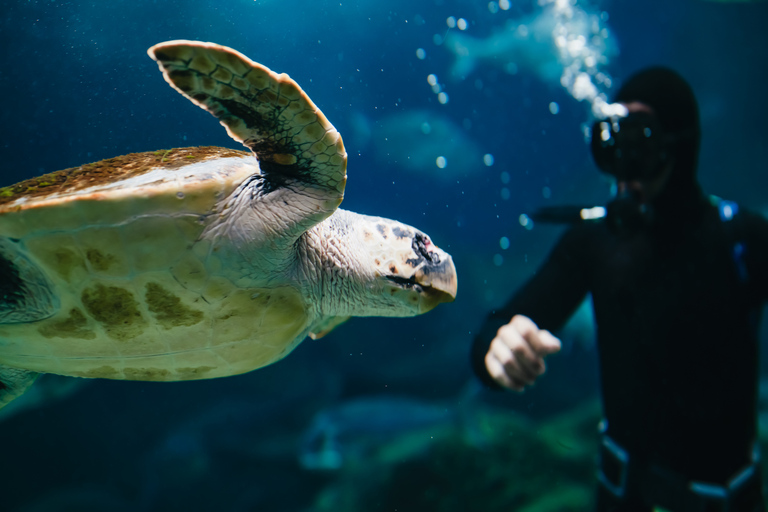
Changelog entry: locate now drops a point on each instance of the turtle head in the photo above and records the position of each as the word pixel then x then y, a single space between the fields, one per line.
pixel 404 273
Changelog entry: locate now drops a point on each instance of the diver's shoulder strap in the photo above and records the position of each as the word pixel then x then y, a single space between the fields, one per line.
pixel 728 211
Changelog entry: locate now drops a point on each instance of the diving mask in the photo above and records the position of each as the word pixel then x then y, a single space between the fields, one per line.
pixel 632 147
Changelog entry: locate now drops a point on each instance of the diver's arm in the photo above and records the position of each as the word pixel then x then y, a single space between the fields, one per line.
pixel 545 302
pixel 756 254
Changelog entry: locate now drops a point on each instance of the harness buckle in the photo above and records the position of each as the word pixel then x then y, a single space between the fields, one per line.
pixel 738 493
pixel 670 490
pixel 613 468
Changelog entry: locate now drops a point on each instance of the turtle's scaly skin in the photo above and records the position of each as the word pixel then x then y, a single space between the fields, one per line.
pixel 201 262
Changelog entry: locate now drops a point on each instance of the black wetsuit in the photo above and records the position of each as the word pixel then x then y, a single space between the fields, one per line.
pixel 677 309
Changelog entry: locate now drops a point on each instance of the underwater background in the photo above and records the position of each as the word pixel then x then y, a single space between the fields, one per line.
pixel 460 117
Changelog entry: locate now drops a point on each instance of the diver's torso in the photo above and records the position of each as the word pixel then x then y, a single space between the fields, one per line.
pixel 677 345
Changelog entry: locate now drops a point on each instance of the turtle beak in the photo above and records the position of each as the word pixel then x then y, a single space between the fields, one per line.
pixel 434 272
pixel 438 280
pixel 419 274
pixel 432 276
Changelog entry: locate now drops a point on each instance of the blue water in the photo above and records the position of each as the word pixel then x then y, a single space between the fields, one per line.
pixel 77 86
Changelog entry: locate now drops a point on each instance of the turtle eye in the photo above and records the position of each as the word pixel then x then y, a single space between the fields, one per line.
pixel 421 246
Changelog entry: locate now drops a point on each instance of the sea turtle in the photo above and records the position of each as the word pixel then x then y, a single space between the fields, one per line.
pixel 201 262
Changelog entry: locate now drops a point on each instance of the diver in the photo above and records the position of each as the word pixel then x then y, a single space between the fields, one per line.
pixel 677 280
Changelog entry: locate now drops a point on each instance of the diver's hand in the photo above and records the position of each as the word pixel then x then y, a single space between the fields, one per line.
pixel 516 356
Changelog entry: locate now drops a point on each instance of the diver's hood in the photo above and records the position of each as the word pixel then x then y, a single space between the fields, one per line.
pixel 675 106
pixel 681 202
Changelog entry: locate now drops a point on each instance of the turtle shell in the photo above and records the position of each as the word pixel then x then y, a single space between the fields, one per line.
pixel 116 281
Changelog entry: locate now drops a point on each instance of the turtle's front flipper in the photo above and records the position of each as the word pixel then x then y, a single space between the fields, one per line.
pixel 299 150
pixel 13 383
